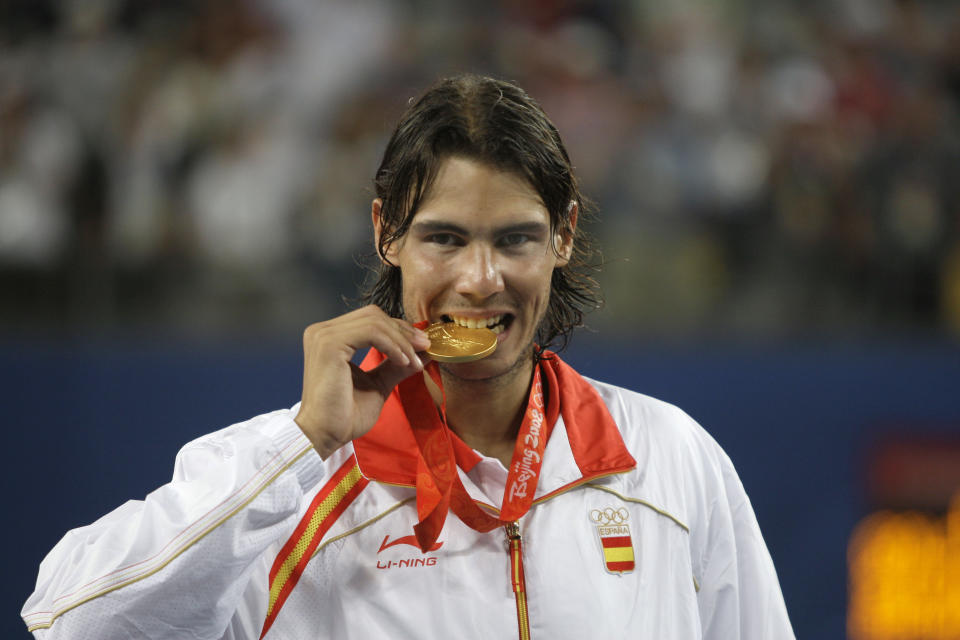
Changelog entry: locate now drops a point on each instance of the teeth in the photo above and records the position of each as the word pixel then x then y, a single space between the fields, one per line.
pixel 497 329
pixel 478 323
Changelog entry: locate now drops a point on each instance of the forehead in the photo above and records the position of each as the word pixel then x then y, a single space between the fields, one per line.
pixel 471 191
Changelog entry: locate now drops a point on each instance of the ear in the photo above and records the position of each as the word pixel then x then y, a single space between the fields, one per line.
pixel 375 209
pixel 563 239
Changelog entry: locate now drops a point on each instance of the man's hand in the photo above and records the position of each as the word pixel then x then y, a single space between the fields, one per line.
pixel 340 401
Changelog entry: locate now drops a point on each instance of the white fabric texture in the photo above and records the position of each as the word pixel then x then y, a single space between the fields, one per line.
pixel 192 560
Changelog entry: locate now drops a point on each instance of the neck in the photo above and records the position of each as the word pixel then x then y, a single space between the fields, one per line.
pixel 486 414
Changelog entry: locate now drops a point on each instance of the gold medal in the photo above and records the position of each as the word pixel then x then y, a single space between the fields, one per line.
pixel 449 342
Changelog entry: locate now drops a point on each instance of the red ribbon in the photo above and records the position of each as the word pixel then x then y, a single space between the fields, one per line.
pixel 439 488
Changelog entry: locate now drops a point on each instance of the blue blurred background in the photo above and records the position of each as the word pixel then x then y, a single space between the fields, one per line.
pixel 184 186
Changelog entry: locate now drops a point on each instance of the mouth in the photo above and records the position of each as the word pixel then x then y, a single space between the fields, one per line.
pixel 498 323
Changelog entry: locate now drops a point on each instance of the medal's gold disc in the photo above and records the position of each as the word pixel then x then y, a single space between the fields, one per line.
pixel 449 342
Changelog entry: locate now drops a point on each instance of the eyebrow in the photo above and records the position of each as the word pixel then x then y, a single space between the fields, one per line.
pixel 439 226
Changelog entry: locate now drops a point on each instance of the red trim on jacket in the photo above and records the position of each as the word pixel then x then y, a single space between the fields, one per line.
pixel 327 506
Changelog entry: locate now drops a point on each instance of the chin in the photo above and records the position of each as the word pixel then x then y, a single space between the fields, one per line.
pixel 488 369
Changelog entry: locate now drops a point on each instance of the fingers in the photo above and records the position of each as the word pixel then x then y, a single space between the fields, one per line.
pixel 368 327
pixel 339 401
pixel 395 339
pixel 419 342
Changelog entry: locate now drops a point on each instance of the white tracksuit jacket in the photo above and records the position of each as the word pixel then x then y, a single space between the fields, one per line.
pixel 254 527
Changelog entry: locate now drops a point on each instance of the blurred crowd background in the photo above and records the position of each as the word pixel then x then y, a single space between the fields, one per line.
pixel 759 168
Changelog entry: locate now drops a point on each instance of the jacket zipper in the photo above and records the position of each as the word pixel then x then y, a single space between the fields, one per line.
pixel 515 548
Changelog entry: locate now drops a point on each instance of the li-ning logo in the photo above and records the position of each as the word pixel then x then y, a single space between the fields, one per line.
pixel 410 540
pixel 429 561
pixel 615 540
pixel 531 442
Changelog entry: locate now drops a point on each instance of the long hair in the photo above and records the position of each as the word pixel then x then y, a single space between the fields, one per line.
pixel 496 123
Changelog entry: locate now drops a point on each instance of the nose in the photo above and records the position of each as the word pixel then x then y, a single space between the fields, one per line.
pixel 480 274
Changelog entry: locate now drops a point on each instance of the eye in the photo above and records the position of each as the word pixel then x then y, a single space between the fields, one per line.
pixel 512 240
pixel 443 239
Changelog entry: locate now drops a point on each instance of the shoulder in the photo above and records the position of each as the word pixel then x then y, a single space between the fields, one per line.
pixel 647 421
pixel 679 464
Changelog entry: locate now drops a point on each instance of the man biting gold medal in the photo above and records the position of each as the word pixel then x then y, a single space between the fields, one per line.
pixel 463 481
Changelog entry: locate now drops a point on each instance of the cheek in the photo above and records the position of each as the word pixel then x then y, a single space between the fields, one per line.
pixel 422 283
pixel 536 285
pixel 547 289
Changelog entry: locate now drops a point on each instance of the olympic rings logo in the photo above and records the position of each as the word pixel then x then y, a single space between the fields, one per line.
pixel 609 516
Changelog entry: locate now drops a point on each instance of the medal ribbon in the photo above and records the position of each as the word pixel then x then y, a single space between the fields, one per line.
pixel 439 487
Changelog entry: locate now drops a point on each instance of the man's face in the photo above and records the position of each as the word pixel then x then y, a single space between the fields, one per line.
pixel 479 252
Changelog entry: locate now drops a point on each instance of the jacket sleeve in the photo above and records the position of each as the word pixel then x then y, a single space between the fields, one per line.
pixel 739 593
pixel 178 564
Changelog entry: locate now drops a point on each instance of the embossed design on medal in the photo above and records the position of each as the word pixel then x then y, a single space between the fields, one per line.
pixel 450 342
pixel 464 344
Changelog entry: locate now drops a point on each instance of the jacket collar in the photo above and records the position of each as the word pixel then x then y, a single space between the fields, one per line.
pixel 589 446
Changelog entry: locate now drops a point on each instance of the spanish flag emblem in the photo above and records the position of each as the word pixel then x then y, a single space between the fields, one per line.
pixel 615 541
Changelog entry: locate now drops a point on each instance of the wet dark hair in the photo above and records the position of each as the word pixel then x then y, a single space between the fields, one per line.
pixel 496 123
